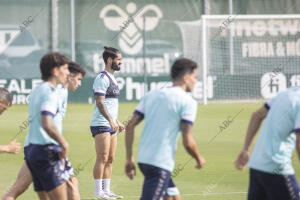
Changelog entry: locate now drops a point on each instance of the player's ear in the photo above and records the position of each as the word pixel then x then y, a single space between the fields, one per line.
pixel 185 77
pixel 109 60
pixel 55 71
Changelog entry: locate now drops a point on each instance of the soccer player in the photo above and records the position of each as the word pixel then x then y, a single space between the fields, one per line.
pixel 272 176
pixel 5 102
pixel 166 111
pixel 45 148
pixel 24 178
pixel 104 123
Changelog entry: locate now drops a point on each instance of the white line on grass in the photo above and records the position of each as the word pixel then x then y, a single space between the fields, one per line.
pixel 210 194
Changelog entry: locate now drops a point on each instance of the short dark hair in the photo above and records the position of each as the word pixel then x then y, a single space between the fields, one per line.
pixel 49 61
pixel 109 52
pixel 5 96
pixel 181 67
pixel 75 68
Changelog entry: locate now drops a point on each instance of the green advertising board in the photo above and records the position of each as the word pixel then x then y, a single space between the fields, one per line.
pixel 151 35
pixel 132 88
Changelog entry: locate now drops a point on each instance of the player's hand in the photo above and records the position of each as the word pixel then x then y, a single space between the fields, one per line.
pixel 64 151
pixel 200 163
pixel 114 126
pixel 14 147
pixel 130 169
pixel 121 127
pixel 242 160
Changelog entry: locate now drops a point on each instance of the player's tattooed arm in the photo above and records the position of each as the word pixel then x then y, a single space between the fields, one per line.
pixel 190 143
pixel 129 136
pixel 129 133
pixel 298 143
pixel 103 110
pixel 254 124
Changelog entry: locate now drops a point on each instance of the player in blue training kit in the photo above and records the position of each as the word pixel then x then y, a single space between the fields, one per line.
pixel 45 148
pixel 105 123
pixel 166 112
pixel 272 176
pixel 24 177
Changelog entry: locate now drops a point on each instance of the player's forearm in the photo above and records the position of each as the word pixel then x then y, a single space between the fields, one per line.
pixel 192 149
pixel 51 130
pixel 253 127
pixel 129 136
pixel 54 134
pixel 103 110
pixel 298 144
pixel 119 123
pixel 4 149
pixel 188 140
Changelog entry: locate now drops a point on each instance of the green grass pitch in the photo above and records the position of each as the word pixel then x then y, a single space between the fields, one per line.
pixel 217 180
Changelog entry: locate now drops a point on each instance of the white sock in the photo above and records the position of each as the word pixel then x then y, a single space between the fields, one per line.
pixel 106 185
pixel 98 186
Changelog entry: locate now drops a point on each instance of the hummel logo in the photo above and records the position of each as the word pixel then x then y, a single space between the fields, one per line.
pixel 130 39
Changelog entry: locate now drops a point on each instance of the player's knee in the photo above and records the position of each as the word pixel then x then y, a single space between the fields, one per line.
pixel 110 160
pixel 102 158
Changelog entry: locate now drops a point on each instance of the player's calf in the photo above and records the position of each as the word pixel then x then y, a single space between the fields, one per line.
pixel 23 181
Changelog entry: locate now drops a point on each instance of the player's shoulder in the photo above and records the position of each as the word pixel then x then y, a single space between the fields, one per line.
pixel 45 88
pixel 150 94
pixel 290 96
pixel 293 94
pixel 294 90
pixel 49 91
pixel 189 100
pixel 183 95
pixel 102 77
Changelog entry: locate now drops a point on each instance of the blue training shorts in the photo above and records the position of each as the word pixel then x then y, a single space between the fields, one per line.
pixel 267 186
pixel 47 170
pixel 157 184
pixel 101 129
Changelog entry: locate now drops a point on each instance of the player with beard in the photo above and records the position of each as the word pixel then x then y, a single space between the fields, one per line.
pixel 105 124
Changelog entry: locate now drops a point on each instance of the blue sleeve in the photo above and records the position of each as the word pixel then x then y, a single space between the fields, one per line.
pixel 100 85
pixel 49 104
pixel 189 112
pixel 268 104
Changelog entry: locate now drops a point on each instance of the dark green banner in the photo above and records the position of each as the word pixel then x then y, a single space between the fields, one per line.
pixel 132 88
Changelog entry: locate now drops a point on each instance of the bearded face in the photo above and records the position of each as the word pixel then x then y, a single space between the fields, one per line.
pixel 115 66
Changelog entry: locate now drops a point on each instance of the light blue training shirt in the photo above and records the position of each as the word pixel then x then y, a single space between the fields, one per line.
pixel 63 95
pixel 163 111
pixel 44 99
pixel 276 142
pixel 100 87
